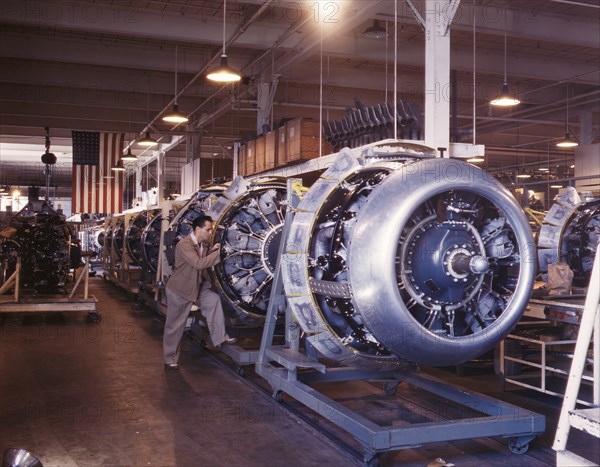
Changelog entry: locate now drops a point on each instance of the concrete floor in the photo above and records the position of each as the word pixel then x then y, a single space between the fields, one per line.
pixel 80 394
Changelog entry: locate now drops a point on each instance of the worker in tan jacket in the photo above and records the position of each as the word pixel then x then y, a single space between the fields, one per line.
pixel 190 284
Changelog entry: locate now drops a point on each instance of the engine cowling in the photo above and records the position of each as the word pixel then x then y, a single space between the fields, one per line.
pixel 424 260
pixel 570 234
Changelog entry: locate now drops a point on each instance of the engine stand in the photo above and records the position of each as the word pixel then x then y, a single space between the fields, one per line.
pixel 279 365
pixel 49 303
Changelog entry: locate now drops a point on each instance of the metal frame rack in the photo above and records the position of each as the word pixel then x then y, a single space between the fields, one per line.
pixel 241 356
pixel 554 356
pixel 150 291
pixel 50 303
pixel 543 364
pixel 280 365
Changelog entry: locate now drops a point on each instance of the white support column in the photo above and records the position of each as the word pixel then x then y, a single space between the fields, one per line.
pixel 236 152
pixel 438 17
pixel 586 133
pixel 138 180
pixel 263 115
pixel 160 168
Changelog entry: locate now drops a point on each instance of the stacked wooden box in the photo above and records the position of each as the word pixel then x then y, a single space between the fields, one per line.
pixel 241 165
pixel 259 157
pixel 271 150
pixel 301 141
pixel 250 157
pixel 296 141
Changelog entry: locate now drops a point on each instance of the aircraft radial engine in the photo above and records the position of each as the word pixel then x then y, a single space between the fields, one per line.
pixel 44 241
pixel 248 215
pixel 421 260
pixel 570 234
pixel 181 225
pixel 135 241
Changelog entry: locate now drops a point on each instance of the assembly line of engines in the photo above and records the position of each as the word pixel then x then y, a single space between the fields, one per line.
pixel 250 215
pixel 390 257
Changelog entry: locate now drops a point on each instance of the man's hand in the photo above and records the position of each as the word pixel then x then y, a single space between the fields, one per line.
pixel 215 247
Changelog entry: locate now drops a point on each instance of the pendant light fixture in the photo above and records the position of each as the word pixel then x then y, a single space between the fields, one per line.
pixel 147 141
pixel 175 116
pixel 119 167
pixel 505 99
pixel 567 142
pixel 476 160
pixel 224 73
pixel 376 31
pixel 129 157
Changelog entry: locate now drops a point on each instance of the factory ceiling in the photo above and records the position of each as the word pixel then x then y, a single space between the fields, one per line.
pixel 109 65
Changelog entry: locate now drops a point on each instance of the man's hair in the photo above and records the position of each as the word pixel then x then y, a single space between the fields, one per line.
pixel 200 221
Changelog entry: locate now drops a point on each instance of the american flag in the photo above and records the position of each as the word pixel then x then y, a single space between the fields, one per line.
pixel 93 156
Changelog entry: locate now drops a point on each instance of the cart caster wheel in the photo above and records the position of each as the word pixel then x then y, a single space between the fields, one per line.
pixel 371 459
pixel 390 387
pixel 515 448
pixel 94 318
pixel 278 396
pixel 241 371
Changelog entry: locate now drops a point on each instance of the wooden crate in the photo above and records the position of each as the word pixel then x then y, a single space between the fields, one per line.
pixel 260 157
pixel 281 146
pixel 302 140
pixel 242 160
pixel 250 158
pixel 271 149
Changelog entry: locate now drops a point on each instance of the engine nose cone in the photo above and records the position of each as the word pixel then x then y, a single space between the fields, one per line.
pixel 479 264
pixel 466 264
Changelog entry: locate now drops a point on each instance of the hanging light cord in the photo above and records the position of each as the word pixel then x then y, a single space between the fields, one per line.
pixel 395 69
pixel 505 79
pixel 567 116
pixel 386 62
pixel 475 79
pixel 175 103
pixel 321 91
pixel 224 13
